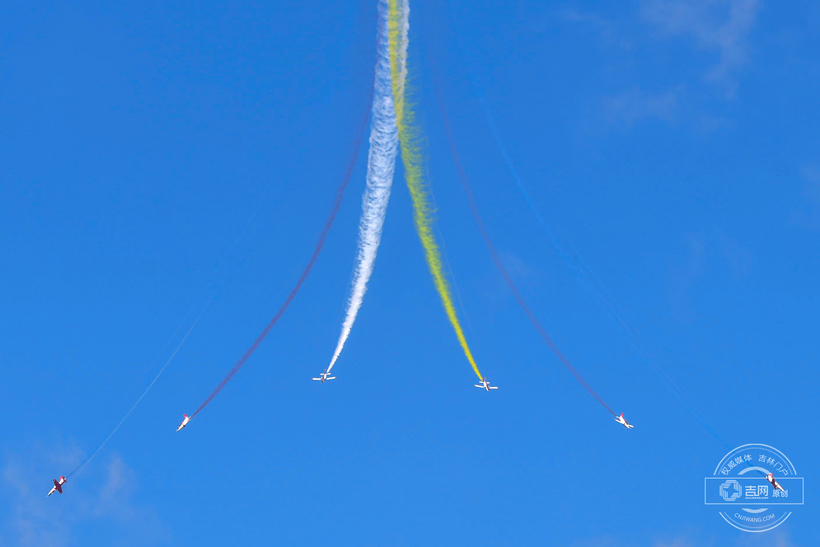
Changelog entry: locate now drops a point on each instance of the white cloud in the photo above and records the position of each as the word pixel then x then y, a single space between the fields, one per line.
pixel 711 255
pixel 677 542
pixel 635 105
pixel 33 520
pixel 779 537
pixel 610 31
pixel 722 26
pixel 808 214
pixel 811 173
pixel 687 268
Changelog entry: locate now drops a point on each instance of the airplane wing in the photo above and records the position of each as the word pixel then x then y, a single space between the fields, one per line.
pixel 493 387
pixel 479 385
pixel 317 379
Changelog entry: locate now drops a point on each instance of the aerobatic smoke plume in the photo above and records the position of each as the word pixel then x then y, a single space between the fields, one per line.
pixel 497 259
pixel 336 204
pixel 411 154
pixel 576 263
pixel 381 164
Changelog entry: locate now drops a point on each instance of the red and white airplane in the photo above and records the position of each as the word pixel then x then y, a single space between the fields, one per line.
pixel 324 376
pixel 775 484
pixel 620 419
pixel 58 486
pixel 185 420
pixel 485 384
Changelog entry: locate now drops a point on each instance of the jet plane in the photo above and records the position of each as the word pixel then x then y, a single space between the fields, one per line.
pixel 324 376
pixel 185 420
pixel 485 384
pixel 620 419
pixel 775 484
pixel 58 486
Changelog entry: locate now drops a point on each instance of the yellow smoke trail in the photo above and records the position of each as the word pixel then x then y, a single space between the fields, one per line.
pixel 411 155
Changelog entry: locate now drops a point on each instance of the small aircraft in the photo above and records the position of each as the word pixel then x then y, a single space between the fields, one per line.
pixel 775 484
pixel 620 419
pixel 324 376
pixel 58 486
pixel 185 420
pixel 485 384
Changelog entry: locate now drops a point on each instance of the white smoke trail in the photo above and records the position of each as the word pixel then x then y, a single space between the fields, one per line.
pixel 381 163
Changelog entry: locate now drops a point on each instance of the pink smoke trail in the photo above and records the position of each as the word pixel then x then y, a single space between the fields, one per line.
pixel 497 260
pixel 336 204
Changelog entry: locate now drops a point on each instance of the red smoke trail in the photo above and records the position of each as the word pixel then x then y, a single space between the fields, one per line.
pixel 497 260
pixel 336 204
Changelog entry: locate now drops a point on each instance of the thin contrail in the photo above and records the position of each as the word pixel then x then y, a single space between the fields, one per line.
pixel 144 393
pixel 497 260
pixel 579 267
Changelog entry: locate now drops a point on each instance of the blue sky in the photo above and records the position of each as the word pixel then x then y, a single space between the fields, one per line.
pixel 673 144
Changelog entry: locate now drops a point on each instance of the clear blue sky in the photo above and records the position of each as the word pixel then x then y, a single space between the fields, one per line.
pixel 675 145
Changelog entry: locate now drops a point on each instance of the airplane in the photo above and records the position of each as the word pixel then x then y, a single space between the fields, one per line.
pixel 185 420
pixel 485 384
pixel 58 486
pixel 620 419
pixel 775 484
pixel 324 376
